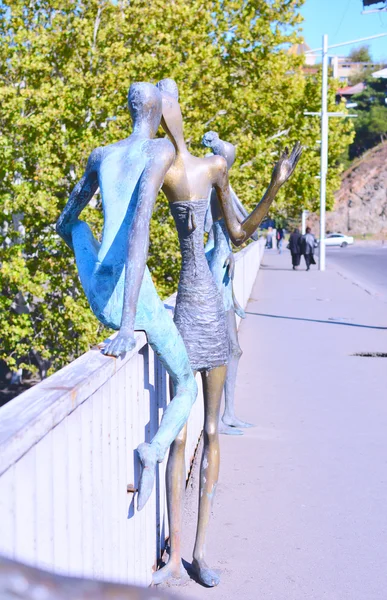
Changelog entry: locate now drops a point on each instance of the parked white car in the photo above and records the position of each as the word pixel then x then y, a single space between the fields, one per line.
pixel 338 239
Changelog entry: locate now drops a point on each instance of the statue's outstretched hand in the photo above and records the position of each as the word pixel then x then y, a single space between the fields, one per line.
pixel 286 165
pixel 121 344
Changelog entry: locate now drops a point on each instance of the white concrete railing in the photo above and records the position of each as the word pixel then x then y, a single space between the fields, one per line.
pixel 67 455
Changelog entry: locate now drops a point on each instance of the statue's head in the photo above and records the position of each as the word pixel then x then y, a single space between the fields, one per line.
pixel 145 105
pixel 212 140
pixel 169 86
pixel 172 120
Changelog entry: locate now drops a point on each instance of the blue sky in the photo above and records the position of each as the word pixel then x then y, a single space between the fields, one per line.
pixel 342 21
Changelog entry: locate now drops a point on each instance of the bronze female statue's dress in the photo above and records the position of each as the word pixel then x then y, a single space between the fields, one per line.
pixel 199 313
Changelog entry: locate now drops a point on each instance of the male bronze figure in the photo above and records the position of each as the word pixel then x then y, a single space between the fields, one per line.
pixel 113 273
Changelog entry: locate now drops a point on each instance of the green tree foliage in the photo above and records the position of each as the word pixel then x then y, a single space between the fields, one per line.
pixel 65 70
pixel 361 75
pixel 360 54
pixel 371 124
pixel 304 188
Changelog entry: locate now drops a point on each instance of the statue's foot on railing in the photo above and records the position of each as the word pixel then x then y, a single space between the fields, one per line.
pixel 173 573
pixel 149 455
pixel 233 421
pixel 227 430
pixel 205 575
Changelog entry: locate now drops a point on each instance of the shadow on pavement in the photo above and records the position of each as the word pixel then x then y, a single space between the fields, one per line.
pixel 315 320
pixel 278 269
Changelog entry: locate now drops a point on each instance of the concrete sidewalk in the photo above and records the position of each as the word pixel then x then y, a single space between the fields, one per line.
pixel 301 506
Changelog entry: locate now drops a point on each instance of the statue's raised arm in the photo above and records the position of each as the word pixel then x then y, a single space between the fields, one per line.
pixel 240 232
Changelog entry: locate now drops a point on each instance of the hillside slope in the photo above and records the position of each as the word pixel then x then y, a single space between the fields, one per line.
pixel 361 202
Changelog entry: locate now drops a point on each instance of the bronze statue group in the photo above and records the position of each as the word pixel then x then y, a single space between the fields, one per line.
pixel 203 337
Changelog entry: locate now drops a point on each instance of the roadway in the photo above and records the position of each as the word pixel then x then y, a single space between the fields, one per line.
pixel 366 265
pixel 300 509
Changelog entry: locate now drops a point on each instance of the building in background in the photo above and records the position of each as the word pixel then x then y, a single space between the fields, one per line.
pixel 382 74
pixel 309 66
pixel 343 68
pixel 299 49
pixel 348 91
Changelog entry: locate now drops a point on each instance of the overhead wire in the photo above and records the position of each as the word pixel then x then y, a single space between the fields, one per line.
pixel 342 19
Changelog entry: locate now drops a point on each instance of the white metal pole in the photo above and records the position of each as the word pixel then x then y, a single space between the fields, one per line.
pixel 303 222
pixel 370 37
pixel 324 150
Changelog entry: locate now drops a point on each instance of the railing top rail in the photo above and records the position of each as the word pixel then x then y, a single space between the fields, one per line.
pixel 29 417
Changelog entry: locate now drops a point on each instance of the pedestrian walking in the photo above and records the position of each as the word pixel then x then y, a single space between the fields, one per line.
pixel 308 245
pixel 294 246
pixel 280 238
pixel 269 238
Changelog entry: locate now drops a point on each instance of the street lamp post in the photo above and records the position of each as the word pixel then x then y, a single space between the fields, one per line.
pixel 324 151
pixel 303 221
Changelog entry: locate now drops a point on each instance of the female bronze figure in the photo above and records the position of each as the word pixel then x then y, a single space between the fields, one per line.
pixel 199 313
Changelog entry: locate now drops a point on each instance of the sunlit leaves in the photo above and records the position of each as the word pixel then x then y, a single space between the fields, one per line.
pixel 65 69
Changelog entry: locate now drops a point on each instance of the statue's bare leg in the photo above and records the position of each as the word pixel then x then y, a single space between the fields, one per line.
pixel 175 482
pixel 163 336
pixel 86 250
pixel 229 418
pixel 213 382
pixel 166 341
